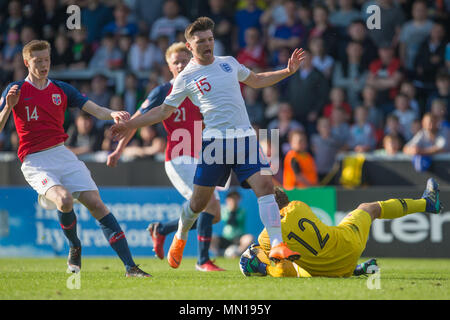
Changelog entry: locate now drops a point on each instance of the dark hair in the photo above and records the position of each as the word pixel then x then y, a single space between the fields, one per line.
pixel 281 197
pixel 201 24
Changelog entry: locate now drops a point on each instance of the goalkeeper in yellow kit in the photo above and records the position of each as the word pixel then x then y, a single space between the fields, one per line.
pixel 328 251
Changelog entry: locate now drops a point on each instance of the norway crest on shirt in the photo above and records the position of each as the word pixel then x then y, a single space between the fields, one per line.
pixel 226 67
pixel 56 98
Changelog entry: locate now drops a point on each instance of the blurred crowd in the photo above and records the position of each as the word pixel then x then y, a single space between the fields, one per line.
pixel 383 91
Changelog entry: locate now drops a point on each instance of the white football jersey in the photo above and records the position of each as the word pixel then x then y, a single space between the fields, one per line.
pixel 215 89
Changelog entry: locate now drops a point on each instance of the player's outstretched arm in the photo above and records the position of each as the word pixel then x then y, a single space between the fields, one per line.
pixel 105 113
pixel 9 102
pixel 155 115
pixel 114 157
pixel 266 79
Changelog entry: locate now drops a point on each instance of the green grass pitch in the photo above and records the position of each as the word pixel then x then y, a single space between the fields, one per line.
pixel 103 278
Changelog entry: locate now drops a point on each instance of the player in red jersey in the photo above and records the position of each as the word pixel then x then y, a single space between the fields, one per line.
pixel 184 129
pixel 38 105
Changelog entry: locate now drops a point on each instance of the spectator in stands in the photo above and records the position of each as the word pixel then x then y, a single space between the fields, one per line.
pixel 234 239
pixel 170 23
pixel 94 16
pixel 83 137
pixel 253 56
pixel 392 145
pixel 246 18
pixel 337 100
pixel 284 123
pixel 100 94
pixel 299 169
pixel 340 128
pixel 305 16
pixel 144 55
pixel 124 45
pixel 27 34
pixel 442 90
pixel 428 141
pixel 405 114
pixel 357 32
pixel 408 88
pixel 345 15
pixel 15 19
pixel 390 23
pixel 287 35
pixel 307 93
pixel 121 24
pixel 255 109
pixel 80 49
pixel 108 56
pixel 413 33
pixel 146 12
pixel 362 134
pixel 324 30
pixel 147 145
pixel 274 15
pixel 321 61
pixel 61 55
pixel 223 23
pixel 440 111
pixel 325 147
pixel 271 99
pixel 375 115
pixel 431 56
pixel 416 126
pixel 133 95
pixel 11 48
pixel 350 73
pixel 393 127
pixel 116 103
pixel 385 76
pixel 51 20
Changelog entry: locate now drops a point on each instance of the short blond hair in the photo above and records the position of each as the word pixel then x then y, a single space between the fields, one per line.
pixel 175 48
pixel 35 45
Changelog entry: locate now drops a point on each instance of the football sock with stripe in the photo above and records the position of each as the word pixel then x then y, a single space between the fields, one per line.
pixel 186 221
pixel 116 238
pixel 396 208
pixel 270 217
pixel 204 233
pixel 68 222
pixel 171 226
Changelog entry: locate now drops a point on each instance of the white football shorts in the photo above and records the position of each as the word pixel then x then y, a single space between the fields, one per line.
pixel 57 166
pixel 181 172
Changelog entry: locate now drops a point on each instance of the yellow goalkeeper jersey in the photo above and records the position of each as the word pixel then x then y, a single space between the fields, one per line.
pixel 325 250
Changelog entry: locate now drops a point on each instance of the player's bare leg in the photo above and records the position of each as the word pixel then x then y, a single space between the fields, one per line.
pixel 189 213
pixel 112 231
pixel 269 213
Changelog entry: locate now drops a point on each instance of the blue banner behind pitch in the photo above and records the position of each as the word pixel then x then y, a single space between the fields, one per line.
pixel 28 230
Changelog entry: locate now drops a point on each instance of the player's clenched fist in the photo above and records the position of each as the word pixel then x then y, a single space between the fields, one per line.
pixel 119 116
pixel 13 96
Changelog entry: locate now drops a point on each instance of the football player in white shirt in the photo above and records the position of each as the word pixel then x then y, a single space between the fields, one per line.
pixel 212 83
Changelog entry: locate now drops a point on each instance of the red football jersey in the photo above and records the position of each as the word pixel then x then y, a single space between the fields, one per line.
pixel 39 114
pixel 184 127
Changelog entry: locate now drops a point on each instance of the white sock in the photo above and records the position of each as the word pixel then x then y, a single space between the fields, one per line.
pixel 270 217
pixel 187 220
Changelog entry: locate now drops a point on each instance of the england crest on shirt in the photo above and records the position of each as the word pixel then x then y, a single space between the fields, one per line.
pixel 226 67
pixel 56 98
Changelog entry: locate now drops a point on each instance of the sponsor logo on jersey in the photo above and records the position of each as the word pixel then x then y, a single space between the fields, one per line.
pixel 56 98
pixel 226 67
pixel 44 182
